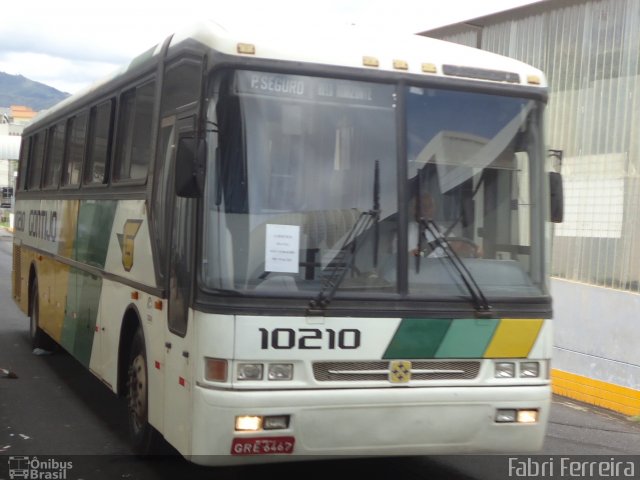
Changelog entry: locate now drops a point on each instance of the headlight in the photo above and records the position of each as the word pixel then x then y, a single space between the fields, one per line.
pixel 276 422
pixel 250 371
pixel 529 369
pixel 528 416
pixel 506 415
pixel 280 371
pixel 248 423
pixel 505 370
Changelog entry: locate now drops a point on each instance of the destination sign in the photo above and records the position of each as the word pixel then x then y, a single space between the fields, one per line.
pixel 314 88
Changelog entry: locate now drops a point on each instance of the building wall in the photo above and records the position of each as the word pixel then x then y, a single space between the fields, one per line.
pixel 590 52
pixel 10 136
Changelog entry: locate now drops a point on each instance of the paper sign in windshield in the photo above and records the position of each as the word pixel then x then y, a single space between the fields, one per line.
pixel 282 249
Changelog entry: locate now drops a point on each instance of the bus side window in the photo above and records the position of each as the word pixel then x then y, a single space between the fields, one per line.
pixel 99 144
pixel 74 155
pixel 25 148
pixel 134 133
pixel 55 152
pixel 35 162
pixel 182 85
pixel 161 180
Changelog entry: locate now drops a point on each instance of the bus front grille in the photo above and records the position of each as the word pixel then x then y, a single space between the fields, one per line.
pixel 379 371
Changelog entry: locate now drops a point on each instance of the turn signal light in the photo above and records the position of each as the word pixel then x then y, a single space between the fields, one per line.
pixel 215 370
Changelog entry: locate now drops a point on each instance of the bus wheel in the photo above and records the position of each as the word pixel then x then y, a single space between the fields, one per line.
pixel 142 434
pixel 39 339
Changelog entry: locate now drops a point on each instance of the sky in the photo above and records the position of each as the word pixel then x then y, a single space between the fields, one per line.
pixel 69 44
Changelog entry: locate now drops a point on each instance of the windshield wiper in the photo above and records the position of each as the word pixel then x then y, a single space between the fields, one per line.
pixel 483 309
pixel 344 260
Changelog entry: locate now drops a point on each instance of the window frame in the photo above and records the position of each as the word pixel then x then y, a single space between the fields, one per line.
pixel 52 131
pixel 120 149
pixel 64 177
pixel 24 160
pixel 40 134
pixel 89 162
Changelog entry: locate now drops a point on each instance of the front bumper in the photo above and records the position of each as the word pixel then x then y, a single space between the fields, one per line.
pixel 360 422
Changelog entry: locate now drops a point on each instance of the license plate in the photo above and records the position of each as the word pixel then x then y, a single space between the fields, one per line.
pixel 262 446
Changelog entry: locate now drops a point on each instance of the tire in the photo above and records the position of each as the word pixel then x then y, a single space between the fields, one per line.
pixel 144 438
pixel 39 339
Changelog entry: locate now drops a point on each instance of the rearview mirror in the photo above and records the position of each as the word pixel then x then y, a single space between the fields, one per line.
pixel 556 192
pixel 189 168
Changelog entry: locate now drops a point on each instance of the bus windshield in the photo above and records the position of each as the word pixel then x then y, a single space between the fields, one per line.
pixel 293 201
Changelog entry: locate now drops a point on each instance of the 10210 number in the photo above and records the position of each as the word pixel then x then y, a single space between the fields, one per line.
pixel 309 339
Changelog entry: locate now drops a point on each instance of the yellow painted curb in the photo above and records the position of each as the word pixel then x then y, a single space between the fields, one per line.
pixel 596 392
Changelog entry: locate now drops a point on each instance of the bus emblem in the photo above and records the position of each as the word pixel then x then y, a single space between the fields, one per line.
pixel 125 239
pixel 400 371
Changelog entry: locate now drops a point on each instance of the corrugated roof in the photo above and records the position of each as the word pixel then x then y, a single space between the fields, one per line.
pixel 9 147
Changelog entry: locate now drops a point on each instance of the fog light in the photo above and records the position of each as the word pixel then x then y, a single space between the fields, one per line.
pixel 505 370
pixel 529 369
pixel 280 371
pixel 280 422
pixel 250 371
pixel 215 370
pixel 506 416
pixel 248 424
pixel 527 416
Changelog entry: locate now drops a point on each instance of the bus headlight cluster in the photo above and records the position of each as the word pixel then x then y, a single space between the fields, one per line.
pixel 526 369
pixel 255 371
pixel 512 415
pixel 251 423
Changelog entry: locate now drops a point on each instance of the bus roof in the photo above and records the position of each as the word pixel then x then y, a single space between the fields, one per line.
pixel 350 47
pixel 359 48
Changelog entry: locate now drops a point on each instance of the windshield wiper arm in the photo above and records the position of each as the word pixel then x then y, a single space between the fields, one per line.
pixel 340 264
pixel 343 261
pixel 483 309
pixel 376 212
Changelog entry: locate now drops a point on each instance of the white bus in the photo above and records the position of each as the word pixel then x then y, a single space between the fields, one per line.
pixel 292 246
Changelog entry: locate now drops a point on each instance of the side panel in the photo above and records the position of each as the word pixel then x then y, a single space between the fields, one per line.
pixel 58 238
pixel 179 387
pixel 115 300
pixel 83 308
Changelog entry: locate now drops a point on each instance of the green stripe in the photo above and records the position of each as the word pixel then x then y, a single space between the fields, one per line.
pixel 417 338
pixel 95 220
pixel 93 230
pixel 422 338
pixel 467 338
pixel 81 314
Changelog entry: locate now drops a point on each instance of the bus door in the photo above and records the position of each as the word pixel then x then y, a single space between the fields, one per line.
pixel 181 93
pixel 179 336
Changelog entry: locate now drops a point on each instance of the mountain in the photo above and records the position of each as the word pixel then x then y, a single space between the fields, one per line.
pixel 18 90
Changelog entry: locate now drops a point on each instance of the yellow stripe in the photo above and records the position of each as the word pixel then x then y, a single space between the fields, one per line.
pixel 513 338
pixel 61 294
pixel 596 392
pixel 53 283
